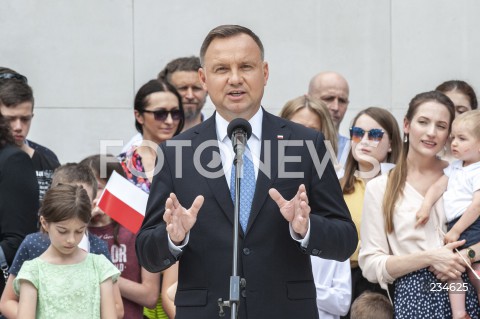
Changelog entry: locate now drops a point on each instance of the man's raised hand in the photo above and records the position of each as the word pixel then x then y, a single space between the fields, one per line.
pixel 180 220
pixel 296 211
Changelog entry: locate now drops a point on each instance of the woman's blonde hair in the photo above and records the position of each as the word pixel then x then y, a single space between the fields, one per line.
pixel 317 107
pixel 469 121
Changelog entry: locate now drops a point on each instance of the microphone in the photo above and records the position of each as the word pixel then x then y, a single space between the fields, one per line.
pixel 239 131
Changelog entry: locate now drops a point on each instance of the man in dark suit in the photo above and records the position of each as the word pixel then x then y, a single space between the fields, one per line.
pixel 281 234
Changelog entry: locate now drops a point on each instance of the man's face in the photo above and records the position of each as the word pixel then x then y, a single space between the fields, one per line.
pixel 333 91
pixel 234 75
pixel 20 119
pixel 193 94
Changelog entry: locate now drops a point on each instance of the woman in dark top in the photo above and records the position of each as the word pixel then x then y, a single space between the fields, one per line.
pixel 18 198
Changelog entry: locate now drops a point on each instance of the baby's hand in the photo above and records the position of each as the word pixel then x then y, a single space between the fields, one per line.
pixel 451 236
pixel 422 217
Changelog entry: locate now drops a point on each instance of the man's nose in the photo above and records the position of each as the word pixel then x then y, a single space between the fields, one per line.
pixel 235 77
pixel 333 105
pixel 16 125
pixel 189 93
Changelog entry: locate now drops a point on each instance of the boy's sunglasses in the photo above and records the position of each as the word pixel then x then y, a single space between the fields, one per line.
pixel 161 115
pixel 6 76
pixel 357 134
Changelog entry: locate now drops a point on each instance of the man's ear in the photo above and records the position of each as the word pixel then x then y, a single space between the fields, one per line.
pixel 266 73
pixel 203 78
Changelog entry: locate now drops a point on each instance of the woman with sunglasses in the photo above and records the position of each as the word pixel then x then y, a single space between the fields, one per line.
pixel 393 251
pixel 375 145
pixel 158 117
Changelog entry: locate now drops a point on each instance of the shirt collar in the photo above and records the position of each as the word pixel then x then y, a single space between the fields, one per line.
pixel 458 164
pixel 255 122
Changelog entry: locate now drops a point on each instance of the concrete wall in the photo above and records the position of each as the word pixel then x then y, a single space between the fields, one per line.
pixel 85 59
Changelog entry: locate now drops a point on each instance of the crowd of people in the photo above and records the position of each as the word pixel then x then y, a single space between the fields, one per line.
pixel 380 224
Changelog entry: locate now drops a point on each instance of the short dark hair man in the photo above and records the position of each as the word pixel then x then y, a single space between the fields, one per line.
pixel 182 73
pixel 276 235
pixel 16 105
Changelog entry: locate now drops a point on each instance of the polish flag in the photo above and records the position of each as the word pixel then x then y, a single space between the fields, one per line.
pixel 124 202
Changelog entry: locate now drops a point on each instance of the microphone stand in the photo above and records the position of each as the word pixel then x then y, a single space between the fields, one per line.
pixel 235 282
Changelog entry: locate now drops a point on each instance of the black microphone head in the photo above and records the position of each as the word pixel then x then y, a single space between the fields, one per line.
pixel 239 123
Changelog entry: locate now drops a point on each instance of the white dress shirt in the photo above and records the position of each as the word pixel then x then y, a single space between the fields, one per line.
pixel 254 143
pixel 227 155
pixel 333 283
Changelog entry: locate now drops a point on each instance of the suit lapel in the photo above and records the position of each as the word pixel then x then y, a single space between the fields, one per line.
pixel 218 186
pixel 273 130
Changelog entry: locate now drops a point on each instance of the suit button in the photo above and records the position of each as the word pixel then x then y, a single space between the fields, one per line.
pixel 166 262
pixel 316 252
pixel 246 251
pixel 244 293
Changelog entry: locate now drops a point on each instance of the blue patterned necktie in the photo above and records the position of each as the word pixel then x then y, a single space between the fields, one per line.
pixel 247 190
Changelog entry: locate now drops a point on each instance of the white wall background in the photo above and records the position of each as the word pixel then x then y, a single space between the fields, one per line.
pixel 85 59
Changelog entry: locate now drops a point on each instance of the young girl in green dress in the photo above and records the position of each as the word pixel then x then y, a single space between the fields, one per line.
pixel 65 281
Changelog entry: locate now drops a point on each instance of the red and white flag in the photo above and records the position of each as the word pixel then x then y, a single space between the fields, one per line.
pixel 124 202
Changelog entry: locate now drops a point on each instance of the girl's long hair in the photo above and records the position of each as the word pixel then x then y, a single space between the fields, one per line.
pixel 398 175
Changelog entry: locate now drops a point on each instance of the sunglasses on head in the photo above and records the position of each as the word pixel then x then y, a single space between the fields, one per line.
pixel 161 115
pixel 357 134
pixel 6 76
